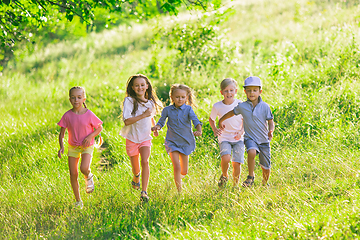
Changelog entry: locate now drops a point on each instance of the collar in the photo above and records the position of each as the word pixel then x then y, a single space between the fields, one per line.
pixel 181 107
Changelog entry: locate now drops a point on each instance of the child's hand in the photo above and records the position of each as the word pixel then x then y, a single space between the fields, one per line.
pixel 221 125
pixel 86 142
pixel 217 131
pixel 155 132
pixel 270 134
pixel 155 128
pixel 147 113
pixel 238 135
pixel 197 133
pixel 61 151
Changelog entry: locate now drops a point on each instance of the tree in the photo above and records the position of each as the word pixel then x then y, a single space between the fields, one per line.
pixel 21 19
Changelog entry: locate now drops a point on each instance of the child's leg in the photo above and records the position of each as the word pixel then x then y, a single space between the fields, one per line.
pixel 74 173
pixel 251 161
pixel 236 172
pixel 266 175
pixel 145 173
pixel 184 164
pixel 85 164
pixel 135 167
pixel 225 160
pixel 177 168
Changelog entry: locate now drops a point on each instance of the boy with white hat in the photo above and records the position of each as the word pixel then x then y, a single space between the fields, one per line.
pixel 259 127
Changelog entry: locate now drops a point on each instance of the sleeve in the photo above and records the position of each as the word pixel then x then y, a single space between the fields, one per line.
pixel 238 109
pixel 194 118
pixel 128 107
pixel 164 115
pixel 63 121
pixel 213 113
pixel 269 114
pixel 95 121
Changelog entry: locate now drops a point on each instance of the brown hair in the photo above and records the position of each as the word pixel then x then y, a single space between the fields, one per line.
pixel 78 87
pixel 150 94
pixel 189 92
pixel 226 82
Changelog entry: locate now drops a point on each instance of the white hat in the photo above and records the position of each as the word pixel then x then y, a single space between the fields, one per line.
pixel 252 81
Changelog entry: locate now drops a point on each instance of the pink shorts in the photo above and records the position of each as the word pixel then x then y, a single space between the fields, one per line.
pixel 132 149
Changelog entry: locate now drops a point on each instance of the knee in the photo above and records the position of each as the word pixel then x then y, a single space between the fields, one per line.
pixel 183 174
pixel 74 174
pixel 85 170
pixel 251 153
pixel 144 162
pixel 226 158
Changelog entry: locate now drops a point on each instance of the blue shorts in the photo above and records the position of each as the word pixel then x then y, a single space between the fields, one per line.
pixel 237 149
pixel 262 149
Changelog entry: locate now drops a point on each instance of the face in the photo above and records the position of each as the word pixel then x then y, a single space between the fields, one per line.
pixel 77 98
pixel 252 92
pixel 229 92
pixel 140 86
pixel 179 97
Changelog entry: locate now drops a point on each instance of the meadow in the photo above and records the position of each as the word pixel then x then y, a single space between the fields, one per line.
pixel 307 55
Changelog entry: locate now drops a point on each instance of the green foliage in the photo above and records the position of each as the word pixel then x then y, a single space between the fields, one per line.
pixel 192 46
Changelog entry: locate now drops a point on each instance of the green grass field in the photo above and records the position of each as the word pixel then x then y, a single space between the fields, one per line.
pixel 307 54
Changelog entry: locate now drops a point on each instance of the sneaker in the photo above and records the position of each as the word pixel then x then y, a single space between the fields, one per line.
pixel 79 204
pixel 222 181
pixel 90 183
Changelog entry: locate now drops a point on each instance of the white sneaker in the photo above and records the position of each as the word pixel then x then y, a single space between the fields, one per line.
pixel 79 204
pixel 90 183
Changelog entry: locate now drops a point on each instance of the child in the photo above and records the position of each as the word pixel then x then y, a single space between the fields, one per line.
pixel 257 136
pixel 139 105
pixel 231 138
pixel 179 141
pixel 80 123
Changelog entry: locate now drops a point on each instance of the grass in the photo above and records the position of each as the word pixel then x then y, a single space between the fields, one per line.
pixel 307 56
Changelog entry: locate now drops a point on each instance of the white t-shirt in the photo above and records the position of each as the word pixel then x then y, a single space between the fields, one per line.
pixel 232 125
pixel 139 131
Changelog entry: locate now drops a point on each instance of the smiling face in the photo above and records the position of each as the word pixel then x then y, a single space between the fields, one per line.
pixel 140 86
pixel 77 98
pixel 179 97
pixel 253 93
pixel 229 93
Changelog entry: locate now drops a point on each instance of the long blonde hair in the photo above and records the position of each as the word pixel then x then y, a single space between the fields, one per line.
pixel 189 92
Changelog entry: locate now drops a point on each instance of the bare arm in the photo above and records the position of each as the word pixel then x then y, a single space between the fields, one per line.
pixel 132 120
pixel 271 128
pixel 87 140
pixel 217 131
pixel 239 134
pixel 61 141
pixel 223 118
pixel 198 131
pixel 154 129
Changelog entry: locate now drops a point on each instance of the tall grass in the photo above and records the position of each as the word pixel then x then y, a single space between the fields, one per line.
pixel 306 53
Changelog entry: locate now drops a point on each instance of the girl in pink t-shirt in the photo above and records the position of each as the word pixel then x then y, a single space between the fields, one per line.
pixel 82 125
pixel 139 108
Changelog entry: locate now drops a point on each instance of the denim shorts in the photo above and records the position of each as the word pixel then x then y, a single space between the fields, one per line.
pixel 237 149
pixel 262 149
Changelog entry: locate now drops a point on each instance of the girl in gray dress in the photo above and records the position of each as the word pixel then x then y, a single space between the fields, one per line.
pixel 180 140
